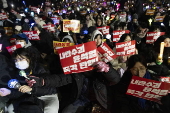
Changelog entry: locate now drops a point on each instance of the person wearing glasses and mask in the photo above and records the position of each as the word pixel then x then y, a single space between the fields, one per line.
pixel 130 104
pixel 25 65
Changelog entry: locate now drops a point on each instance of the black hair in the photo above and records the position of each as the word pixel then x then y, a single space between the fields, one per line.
pixel 123 37
pixel 158 42
pixel 98 35
pixel 101 21
pixel 19 38
pixel 134 59
pixel 143 25
pixel 38 26
pixel 154 27
pixel 23 52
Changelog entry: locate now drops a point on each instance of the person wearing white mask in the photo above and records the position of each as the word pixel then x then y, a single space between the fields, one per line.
pixel 23 40
pixel 28 67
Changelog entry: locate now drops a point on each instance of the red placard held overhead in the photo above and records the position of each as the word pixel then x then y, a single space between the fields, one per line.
pixel 49 27
pixel 106 53
pixel 117 34
pixel 78 58
pixel 126 48
pixel 153 36
pixel 32 35
pixel 147 89
pixel 56 20
pixel 104 30
pixel 3 16
pixel 11 49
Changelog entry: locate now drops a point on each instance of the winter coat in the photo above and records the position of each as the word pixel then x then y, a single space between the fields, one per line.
pixel 37 71
pixel 45 44
pixel 4 40
pixel 73 83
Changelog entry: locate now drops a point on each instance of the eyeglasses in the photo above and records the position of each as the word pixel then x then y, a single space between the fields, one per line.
pixel 19 59
pixel 141 69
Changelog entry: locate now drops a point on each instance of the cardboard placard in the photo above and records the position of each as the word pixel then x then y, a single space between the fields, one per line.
pixel 106 53
pixel 150 12
pixel 8 31
pixel 153 36
pixel 159 18
pixel 58 45
pixel 78 58
pixel 11 49
pixel 104 30
pixel 126 48
pixel 32 35
pixel 71 25
pixel 117 34
pixel 147 89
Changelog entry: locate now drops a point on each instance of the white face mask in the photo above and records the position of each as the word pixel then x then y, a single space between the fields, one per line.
pixel 22 64
pixel 21 43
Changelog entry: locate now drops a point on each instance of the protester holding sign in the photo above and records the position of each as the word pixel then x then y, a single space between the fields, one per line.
pixel 120 62
pixel 26 66
pixel 130 104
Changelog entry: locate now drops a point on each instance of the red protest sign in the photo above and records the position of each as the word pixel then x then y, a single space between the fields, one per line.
pixel 147 89
pixel 153 36
pixel 106 53
pixel 49 27
pixel 32 35
pixel 117 34
pixel 34 9
pixel 3 16
pixel 56 20
pixel 126 48
pixel 11 49
pixel 104 30
pixel 12 41
pixel 78 58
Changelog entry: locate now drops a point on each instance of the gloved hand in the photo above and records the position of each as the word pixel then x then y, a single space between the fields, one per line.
pixel 4 92
pixel 101 66
pixel 35 81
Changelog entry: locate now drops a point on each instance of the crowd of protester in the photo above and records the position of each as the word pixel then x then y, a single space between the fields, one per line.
pixel 46 89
